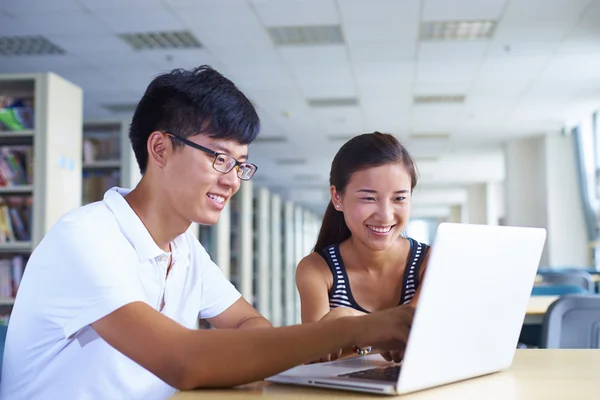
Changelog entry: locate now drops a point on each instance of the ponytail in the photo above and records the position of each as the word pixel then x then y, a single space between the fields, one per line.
pixel 333 229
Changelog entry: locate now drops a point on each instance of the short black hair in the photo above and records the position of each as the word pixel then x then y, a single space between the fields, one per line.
pixel 192 102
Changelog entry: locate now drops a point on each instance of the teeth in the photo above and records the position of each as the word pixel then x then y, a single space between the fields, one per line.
pixel 216 198
pixel 380 229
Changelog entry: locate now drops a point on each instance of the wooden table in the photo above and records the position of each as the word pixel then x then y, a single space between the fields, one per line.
pixel 535 374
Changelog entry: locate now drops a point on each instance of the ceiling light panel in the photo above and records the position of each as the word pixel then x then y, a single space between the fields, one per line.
pixel 333 102
pixel 28 46
pixel 306 35
pixel 439 99
pixel 457 30
pixel 161 40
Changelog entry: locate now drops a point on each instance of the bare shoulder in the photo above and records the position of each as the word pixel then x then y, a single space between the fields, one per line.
pixel 313 266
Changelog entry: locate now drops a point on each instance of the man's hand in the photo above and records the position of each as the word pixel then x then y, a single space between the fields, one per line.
pixel 338 312
pixel 387 330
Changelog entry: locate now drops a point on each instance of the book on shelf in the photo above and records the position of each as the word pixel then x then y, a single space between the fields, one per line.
pixel 101 148
pixel 16 166
pixel 16 113
pixel 96 183
pixel 11 273
pixel 15 218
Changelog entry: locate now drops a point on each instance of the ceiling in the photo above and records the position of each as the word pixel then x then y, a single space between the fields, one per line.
pixel 537 73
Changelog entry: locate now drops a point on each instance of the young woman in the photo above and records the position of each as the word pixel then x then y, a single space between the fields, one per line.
pixel 361 262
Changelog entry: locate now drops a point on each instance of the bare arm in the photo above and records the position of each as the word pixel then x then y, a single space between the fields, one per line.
pixel 312 280
pixel 188 359
pixel 312 276
pixel 241 315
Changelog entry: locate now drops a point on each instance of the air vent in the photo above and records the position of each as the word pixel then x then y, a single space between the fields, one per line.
pixel 121 107
pixel 333 102
pixel 306 35
pixel 270 139
pixel 443 99
pixel 161 40
pixel 430 136
pixel 457 30
pixel 28 46
pixel 291 161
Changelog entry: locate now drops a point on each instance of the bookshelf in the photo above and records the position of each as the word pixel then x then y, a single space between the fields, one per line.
pixel 108 159
pixel 41 116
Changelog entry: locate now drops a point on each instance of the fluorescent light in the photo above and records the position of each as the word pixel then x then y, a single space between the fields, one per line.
pixel 161 40
pixel 28 46
pixel 457 30
pixel 306 35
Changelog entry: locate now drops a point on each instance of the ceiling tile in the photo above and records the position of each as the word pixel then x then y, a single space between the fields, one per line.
pixel 449 71
pixel 94 5
pixel 338 120
pixel 225 27
pixel 388 52
pixel 14 26
pixel 546 11
pixel 143 20
pixel 460 10
pixel 66 23
pixel 87 78
pixel 89 43
pixel 296 12
pixel 384 74
pixel 20 7
pixel 435 118
pixel 391 34
pixel 467 51
pixel 380 11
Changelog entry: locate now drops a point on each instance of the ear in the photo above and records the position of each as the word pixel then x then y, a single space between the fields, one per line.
pixel 158 146
pixel 336 198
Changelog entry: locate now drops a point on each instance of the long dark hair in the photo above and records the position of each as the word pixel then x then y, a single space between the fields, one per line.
pixel 359 153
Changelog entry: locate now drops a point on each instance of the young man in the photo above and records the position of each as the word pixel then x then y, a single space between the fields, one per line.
pixel 110 297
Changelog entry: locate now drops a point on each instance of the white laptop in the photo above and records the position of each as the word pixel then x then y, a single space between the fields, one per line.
pixel 471 309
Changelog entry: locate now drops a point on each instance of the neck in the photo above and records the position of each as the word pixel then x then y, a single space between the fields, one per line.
pixel 373 259
pixel 158 216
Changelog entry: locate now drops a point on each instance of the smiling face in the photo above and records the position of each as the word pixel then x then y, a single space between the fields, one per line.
pixel 376 204
pixel 195 189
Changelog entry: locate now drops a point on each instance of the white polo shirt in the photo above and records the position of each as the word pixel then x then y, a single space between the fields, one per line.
pixel 95 260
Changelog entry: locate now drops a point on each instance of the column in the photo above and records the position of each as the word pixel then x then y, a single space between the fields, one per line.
pixel 246 255
pixel 477 204
pixel 542 190
pixel 298 255
pixel 263 238
pixel 276 248
pixel 289 259
pixel 221 241
pixel 455 214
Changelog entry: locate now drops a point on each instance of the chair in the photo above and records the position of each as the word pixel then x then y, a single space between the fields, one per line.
pixel 572 322
pixel 557 290
pixel 577 278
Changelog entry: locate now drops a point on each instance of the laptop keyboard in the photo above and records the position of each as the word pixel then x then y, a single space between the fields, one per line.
pixel 386 374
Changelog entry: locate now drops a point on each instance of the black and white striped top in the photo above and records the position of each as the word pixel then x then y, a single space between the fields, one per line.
pixel 340 294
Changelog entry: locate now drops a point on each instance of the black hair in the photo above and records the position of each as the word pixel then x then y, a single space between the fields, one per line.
pixel 359 153
pixel 192 102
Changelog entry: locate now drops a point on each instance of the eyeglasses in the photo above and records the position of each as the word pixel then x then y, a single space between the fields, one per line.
pixel 222 162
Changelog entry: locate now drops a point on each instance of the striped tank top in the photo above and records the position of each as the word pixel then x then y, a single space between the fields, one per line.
pixel 340 294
